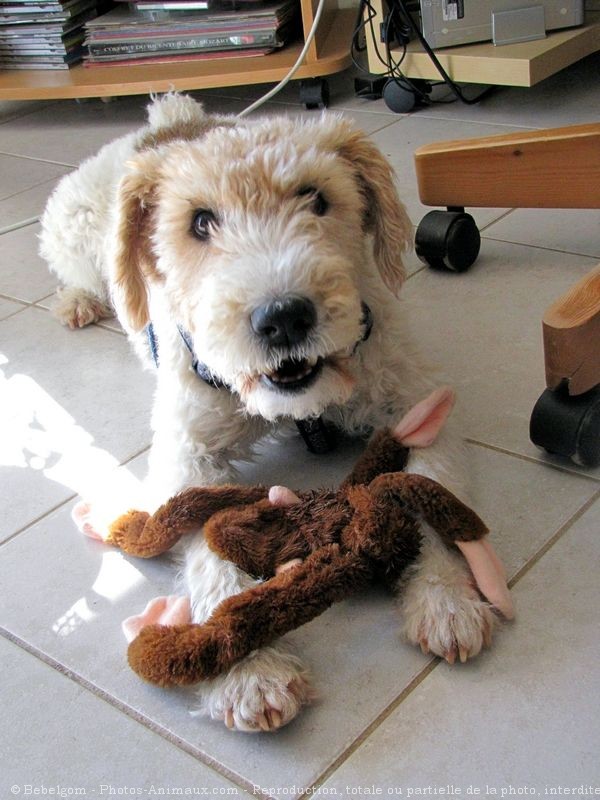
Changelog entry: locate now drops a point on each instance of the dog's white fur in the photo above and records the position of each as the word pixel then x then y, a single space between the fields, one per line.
pixel 120 228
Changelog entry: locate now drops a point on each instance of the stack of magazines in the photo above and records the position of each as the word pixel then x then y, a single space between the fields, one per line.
pixel 43 34
pixel 157 31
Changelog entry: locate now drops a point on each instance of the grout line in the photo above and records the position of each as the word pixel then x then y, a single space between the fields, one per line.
pixel 532 460
pixel 553 540
pixel 21 224
pixel 129 711
pixel 498 219
pixel 484 123
pixel 39 160
pixel 537 246
pixel 33 522
pixel 387 711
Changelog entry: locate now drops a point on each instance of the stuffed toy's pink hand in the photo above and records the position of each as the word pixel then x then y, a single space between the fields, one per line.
pixel 171 610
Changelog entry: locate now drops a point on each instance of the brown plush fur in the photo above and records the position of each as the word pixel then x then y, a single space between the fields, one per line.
pixel 366 531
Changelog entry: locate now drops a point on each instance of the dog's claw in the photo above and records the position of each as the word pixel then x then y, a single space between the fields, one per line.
pixel 463 654
pixel 229 721
pixel 424 647
pixel 275 719
pixel 450 655
pixel 263 722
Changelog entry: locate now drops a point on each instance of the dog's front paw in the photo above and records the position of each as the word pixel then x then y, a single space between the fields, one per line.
pixel 262 693
pixel 77 308
pixel 449 620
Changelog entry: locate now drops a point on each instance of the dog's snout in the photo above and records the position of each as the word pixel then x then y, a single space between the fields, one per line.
pixel 285 321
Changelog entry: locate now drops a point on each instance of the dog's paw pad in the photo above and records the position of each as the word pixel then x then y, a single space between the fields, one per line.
pixel 260 694
pixel 454 627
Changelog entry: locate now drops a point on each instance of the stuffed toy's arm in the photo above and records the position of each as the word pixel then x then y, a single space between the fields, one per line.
pixel 185 654
pixel 144 535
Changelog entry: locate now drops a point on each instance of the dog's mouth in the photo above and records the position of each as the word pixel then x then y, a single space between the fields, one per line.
pixel 293 375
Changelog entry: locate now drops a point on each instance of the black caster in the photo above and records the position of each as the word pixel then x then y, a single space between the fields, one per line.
pixel 402 97
pixel 314 93
pixel 448 240
pixel 568 426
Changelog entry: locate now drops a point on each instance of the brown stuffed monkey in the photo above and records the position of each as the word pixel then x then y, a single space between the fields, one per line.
pixel 313 549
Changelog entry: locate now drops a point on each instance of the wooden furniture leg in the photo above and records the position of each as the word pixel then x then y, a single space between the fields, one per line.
pixel 566 418
pixel 554 168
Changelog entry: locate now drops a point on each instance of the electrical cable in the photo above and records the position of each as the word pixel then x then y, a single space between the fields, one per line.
pixel 425 45
pixel 311 35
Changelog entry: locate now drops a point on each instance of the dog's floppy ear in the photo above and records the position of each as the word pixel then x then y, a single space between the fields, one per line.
pixel 133 259
pixel 385 216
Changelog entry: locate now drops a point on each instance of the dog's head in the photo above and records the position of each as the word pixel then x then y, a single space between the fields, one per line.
pixel 262 238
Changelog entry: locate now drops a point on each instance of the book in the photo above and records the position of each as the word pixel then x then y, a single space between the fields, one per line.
pixel 198 43
pixel 177 58
pixel 126 33
pixel 43 34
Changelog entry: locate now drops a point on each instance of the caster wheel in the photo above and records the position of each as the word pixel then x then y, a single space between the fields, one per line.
pixel 568 426
pixel 448 240
pixel 314 93
pixel 399 99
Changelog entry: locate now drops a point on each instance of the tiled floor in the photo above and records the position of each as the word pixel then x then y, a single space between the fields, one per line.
pixel 520 720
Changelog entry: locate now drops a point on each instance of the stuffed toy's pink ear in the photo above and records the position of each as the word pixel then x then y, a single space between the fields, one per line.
pixel 422 424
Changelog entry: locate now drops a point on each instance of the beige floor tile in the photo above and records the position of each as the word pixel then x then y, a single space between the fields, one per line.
pixel 358 662
pixel 524 716
pixel 23 273
pixel 67 131
pixel 10 109
pixel 57 738
pixel 62 412
pixel 483 328
pixel 27 205
pixel 20 174
pixel 568 230
pixel 9 307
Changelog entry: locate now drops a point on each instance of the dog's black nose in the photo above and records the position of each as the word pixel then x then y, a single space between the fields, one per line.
pixel 285 321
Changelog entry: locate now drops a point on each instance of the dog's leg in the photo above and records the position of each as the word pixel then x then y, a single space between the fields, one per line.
pixel 441 608
pixel 269 687
pixel 73 236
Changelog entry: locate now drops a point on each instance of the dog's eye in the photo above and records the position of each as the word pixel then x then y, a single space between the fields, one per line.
pixel 203 224
pixel 319 203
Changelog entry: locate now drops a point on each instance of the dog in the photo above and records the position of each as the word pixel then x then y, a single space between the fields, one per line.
pixel 264 258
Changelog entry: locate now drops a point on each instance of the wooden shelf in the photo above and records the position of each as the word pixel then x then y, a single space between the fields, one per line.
pixel 329 53
pixel 523 64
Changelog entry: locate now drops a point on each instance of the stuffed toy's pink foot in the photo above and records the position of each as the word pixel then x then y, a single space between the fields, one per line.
pixel 82 517
pixel 171 610
pixel 489 574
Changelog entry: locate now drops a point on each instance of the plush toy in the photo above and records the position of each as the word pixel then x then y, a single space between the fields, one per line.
pixel 312 548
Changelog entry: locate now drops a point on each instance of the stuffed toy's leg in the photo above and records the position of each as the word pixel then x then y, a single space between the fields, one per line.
pixel 456 524
pixel 186 654
pixel 145 536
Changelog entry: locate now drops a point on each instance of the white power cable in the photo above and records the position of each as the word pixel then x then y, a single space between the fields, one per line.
pixel 294 69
